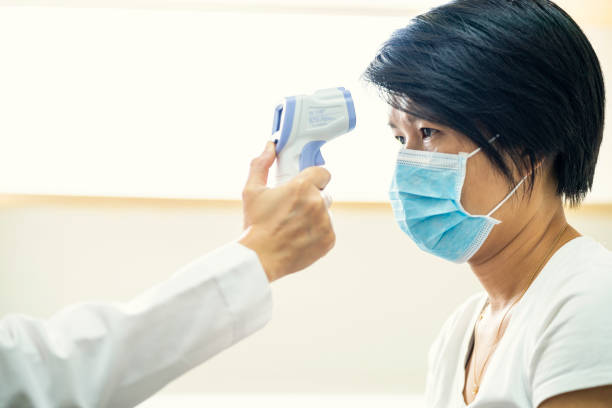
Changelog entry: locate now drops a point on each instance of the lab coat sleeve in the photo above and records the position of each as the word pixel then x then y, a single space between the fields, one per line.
pixel 118 354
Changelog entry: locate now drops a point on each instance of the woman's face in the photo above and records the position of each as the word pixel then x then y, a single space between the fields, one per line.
pixel 484 185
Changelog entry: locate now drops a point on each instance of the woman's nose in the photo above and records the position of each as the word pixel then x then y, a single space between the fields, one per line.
pixel 414 141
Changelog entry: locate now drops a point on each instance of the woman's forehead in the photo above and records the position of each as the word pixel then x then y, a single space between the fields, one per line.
pixel 398 117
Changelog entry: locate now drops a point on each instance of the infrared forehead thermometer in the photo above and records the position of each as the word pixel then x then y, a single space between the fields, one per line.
pixel 304 123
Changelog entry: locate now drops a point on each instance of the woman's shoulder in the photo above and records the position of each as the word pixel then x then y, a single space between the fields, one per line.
pixel 586 246
pixel 581 266
pixel 567 321
pixel 594 255
pixel 576 282
pixel 571 297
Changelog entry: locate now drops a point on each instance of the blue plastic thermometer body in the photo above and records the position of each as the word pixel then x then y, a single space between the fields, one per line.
pixel 302 124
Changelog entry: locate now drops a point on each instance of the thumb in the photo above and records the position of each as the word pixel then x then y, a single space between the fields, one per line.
pixel 260 166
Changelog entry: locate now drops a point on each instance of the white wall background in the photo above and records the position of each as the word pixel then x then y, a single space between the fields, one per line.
pixel 174 103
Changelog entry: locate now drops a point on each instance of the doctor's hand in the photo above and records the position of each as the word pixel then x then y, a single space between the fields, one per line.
pixel 288 226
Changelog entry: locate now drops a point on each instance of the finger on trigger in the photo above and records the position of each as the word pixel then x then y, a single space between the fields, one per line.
pixel 260 167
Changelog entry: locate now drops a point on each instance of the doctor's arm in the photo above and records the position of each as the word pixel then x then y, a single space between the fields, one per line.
pixel 118 354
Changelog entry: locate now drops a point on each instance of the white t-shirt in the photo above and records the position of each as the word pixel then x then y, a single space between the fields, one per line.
pixel 558 340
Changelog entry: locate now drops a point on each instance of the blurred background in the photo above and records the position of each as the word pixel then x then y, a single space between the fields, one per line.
pixel 127 128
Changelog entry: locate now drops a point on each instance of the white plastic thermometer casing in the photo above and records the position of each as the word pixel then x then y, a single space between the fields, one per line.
pixel 304 123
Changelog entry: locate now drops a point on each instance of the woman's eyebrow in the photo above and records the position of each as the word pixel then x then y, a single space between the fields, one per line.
pixel 413 119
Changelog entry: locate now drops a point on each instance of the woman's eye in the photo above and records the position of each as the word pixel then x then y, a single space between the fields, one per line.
pixel 428 132
pixel 401 139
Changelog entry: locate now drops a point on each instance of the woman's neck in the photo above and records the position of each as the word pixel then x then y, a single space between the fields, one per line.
pixel 507 273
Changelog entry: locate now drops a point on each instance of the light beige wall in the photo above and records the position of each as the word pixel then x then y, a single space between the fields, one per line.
pixel 359 320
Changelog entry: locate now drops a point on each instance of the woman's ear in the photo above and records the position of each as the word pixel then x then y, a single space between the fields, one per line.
pixel 539 164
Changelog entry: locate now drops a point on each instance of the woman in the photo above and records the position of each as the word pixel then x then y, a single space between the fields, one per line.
pixel 499 106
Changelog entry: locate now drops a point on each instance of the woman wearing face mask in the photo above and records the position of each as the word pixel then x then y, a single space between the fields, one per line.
pixel 499 106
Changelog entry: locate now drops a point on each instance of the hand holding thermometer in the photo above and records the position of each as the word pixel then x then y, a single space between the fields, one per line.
pixel 304 123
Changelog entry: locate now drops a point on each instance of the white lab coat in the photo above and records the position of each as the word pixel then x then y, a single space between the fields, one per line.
pixel 118 354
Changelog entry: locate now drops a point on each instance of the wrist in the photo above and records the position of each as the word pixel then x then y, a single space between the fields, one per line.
pixel 255 241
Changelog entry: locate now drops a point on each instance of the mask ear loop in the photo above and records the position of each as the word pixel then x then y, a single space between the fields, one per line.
pixel 512 192
pixel 502 202
pixel 491 140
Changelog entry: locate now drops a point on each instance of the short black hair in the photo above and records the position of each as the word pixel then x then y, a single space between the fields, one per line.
pixel 519 68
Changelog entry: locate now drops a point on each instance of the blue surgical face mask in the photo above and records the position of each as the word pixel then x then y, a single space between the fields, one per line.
pixel 426 199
